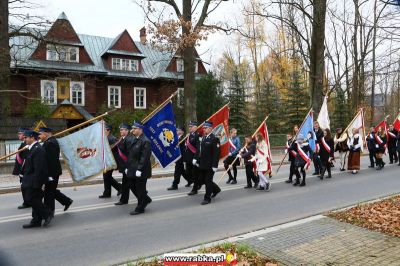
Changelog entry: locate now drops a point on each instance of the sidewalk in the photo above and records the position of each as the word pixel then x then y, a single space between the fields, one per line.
pixel 326 241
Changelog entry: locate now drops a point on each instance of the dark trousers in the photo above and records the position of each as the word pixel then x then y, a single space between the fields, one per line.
pixel 326 166
pixel 180 171
pixel 372 158
pixel 193 172
pixel 250 175
pixel 125 187
pixel 34 198
pixel 23 193
pixel 292 170
pixel 51 194
pixel 206 175
pixel 317 163
pixel 138 187
pixel 303 173
pixel 109 182
pixel 227 162
pixel 393 155
pixel 398 155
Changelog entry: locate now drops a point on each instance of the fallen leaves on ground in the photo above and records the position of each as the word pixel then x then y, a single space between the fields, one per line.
pixel 382 216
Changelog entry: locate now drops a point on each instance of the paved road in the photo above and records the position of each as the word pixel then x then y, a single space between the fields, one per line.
pixel 95 232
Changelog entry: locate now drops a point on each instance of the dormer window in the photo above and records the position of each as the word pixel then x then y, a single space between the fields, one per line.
pixel 125 64
pixel 180 67
pixel 62 53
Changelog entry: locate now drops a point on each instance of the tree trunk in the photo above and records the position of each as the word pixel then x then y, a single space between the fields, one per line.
pixel 317 55
pixel 373 67
pixel 355 94
pixel 4 59
pixel 189 69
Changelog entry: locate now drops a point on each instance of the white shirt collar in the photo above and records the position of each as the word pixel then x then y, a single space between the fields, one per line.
pixel 30 146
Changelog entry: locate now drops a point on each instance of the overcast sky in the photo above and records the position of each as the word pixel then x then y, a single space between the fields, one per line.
pixel 109 18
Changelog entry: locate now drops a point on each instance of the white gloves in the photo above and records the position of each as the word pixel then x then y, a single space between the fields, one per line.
pixel 126 171
pixel 138 173
pixel 51 179
pixel 194 161
pixel 239 156
pixel 214 169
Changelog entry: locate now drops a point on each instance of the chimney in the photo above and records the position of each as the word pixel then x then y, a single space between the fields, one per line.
pixel 143 35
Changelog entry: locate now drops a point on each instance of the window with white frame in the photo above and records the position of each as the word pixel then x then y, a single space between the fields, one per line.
pixel 62 53
pixel 48 91
pixel 125 64
pixel 114 96
pixel 179 65
pixel 140 98
pixel 180 98
pixel 77 93
pixel 196 66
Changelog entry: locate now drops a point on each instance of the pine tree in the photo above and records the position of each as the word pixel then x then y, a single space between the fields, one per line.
pixel 268 104
pixel 342 113
pixel 297 102
pixel 237 97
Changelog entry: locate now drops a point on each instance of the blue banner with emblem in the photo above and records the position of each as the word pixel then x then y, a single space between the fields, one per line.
pixel 161 130
pixel 307 130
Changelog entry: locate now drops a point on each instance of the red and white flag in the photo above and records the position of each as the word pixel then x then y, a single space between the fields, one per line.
pixel 221 129
pixel 383 125
pixel 396 123
pixel 357 123
pixel 263 130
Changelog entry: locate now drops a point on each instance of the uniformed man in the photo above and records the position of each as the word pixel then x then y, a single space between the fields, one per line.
pixel 122 148
pixel 292 156
pixel 391 144
pixel 52 151
pixel 19 160
pixel 108 179
pixel 139 167
pixel 35 175
pixel 371 144
pixel 234 149
pixel 207 158
pixel 192 145
pixel 179 164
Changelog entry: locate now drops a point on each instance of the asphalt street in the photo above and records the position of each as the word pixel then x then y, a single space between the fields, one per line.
pixel 95 232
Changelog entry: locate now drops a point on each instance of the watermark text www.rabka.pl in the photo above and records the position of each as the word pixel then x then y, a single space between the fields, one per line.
pixel 200 259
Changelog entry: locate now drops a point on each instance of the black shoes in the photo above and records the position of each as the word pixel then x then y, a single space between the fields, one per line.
pixel 47 220
pixel 31 225
pixel 189 184
pixel 315 173
pixel 321 177
pixel 104 196
pixel 135 212
pixel 303 184
pixel 289 181
pixel 205 202
pixel 248 187
pixel 234 182
pixel 329 176
pixel 229 181
pixel 191 193
pixel 260 188
pixel 23 206
pixel 296 183
pixel 120 203
pixel 214 194
pixel 66 207
pixel 371 166
pixel 173 188
pixel 342 169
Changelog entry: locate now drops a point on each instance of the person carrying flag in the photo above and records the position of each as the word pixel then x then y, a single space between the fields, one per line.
pixel 262 162
pixel 340 144
pixel 371 145
pixel 247 153
pixel 19 161
pixel 234 147
pixel 292 155
pixel 326 153
pixel 391 144
pixel 302 160
pixel 192 146
pixel 354 143
pixel 381 141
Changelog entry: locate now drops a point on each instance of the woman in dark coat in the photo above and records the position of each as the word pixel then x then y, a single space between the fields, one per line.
pixel 381 141
pixel 326 153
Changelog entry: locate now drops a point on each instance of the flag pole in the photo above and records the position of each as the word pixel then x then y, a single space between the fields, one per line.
pixel 144 120
pixel 351 122
pixel 294 138
pixel 63 132
pixel 231 165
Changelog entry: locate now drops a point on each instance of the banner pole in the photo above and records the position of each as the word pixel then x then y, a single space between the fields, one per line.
pixel 144 120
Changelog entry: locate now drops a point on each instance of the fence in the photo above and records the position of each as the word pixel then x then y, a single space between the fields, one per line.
pixel 7 147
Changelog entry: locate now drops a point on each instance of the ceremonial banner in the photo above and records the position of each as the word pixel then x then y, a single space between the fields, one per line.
pixel 221 129
pixel 396 123
pixel 307 130
pixel 358 123
pixel 87 152
pixel 161 130
pixel 263 130
pixel 323 117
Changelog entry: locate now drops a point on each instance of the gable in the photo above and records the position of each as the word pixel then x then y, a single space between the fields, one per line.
pixel 125 43
pixel 62 31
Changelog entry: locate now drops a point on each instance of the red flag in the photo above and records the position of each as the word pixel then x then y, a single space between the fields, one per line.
pixel 221 129
pixel 396 123
pixel 263 130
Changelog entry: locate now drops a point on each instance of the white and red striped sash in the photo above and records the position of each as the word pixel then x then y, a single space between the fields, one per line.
pixel 391 134
pixel 378 139
pixel 122 155
pixel 292 152
pixel 190 146
pixel 326 146
pixel 304 156
pixel 19 159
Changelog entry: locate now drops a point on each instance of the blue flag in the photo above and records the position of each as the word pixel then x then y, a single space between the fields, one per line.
pixel 161 131
pixel 307 130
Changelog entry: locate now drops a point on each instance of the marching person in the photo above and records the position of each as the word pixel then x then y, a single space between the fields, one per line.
pixel 207 158
pixel 302 160
pixel 179 164
pixel 19 161
pixel 371 145
pixel 139 167
pixel 122 147
pixel 108 179
pixel 316 159
pixel 391 144
pixel 247 153
pixel 192 146
pixel 326 153
pixel 292 156
pixel 398 146
pixel 34 177
pixel 381 140
pixel 354 143
pixel 234 148
pixel 340 143
pixel 52 152
pixel 262 163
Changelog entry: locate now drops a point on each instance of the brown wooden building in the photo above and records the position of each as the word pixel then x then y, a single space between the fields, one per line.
pixel 91 72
